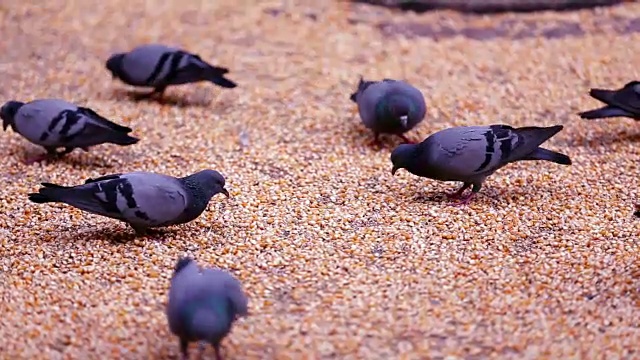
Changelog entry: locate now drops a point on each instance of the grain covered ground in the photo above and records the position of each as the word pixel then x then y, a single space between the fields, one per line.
pixel 340 259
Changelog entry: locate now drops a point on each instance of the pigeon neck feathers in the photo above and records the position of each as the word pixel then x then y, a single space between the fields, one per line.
pixel 201 187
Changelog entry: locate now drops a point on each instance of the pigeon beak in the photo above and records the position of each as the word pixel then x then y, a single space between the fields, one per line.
pixel 225 192
pixel 403 120
pixel 393 171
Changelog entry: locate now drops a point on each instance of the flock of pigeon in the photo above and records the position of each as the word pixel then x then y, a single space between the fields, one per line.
pixel 204 303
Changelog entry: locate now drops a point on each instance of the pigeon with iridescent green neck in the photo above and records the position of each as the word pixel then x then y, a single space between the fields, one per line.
pixel 389 107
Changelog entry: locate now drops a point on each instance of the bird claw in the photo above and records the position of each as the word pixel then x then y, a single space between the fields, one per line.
pixel 454 195
pixel 464 201
pixel 375 143
pixel 407 140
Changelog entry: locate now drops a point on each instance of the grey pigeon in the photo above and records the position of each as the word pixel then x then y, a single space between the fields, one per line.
pixel 389 107
pixel 159 66
pixel 623 102
pixel 141 199
pixel 54 123
pixel 472 153
pixel 203 304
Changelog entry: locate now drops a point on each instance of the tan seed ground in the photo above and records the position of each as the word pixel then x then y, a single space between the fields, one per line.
pixel 340 259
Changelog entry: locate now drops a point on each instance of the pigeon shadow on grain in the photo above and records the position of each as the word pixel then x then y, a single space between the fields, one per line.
pixel 496 196
pixel 198 99
pixel 360 136
pixel 120 235
pixel 77 159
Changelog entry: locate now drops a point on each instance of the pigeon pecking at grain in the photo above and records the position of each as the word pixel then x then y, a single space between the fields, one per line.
pixel 141 199
pixel 203 304
pixel 159 66
pixel 472 153
pixel 55 123
pixel 623 102
pixel 389 107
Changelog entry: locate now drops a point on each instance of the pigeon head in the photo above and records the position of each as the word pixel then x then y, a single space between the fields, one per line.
pixel 8 112
pixel 208 182
pixel 182 263
pixel 361 87
pixel 114 64
pixel 402 157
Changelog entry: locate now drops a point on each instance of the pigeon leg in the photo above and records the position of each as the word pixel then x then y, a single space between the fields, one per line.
pixel 64 152
pixel 184 348
pixel 140 231
pixel 457 194
pixel 376 140
pixel 466 199
pixel 158 90
pixel 216 347
pixel 406 140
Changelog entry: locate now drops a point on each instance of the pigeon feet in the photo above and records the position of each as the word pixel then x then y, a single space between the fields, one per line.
pixel 376 142
pixel 458 193
pixel 407 140
pixel 464 200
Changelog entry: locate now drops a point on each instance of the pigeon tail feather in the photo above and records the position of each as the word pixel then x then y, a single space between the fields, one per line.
pixel 123 139
pixel 604 112
pixel 215 74
pixel 548 155
pixel 48 193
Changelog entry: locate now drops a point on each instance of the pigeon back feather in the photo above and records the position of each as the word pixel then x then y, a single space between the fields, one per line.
pixel 147 65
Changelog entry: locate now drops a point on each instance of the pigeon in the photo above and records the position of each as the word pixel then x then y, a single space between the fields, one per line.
pixel 389 106
pixel 54 123
pixel 159 66
pixel 471 153
pixel 624 102
pixel 203 304
pixel 141 199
